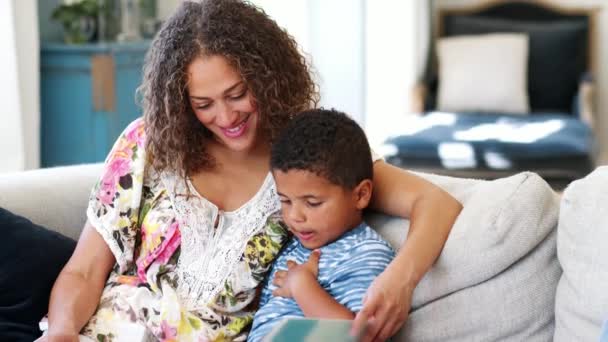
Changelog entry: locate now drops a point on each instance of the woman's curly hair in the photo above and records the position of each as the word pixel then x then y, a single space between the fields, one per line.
pixel 266 56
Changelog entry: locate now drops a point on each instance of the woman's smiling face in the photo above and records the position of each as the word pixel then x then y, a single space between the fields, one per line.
pixel 223 103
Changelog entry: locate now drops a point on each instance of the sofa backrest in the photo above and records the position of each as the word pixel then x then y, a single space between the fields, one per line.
pixel 55 198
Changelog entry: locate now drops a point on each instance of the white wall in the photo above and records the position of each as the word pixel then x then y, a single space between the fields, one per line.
pixel 396 47
pixel 368 54
pixel 164 8
pixel 337 28
pixel 28 62
pixel 11 141
pixel 330 33
pixel 293 15
pixel 601 58
pixel 19 85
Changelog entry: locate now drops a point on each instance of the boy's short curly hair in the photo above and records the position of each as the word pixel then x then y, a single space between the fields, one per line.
pixel 266 56
pixel 326 142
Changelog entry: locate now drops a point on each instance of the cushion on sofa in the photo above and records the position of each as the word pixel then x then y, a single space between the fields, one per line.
pixel 502 244
pixel 515 305
pixel 31 257
pixel 558 54
pixel 63 191
pixel 582 294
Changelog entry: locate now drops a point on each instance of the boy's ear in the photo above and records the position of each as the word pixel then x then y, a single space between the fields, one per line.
pixel 363 194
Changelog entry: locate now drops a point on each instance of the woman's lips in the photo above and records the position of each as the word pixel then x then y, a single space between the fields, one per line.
pixel 237 130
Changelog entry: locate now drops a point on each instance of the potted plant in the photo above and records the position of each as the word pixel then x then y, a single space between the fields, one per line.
pixel 78 18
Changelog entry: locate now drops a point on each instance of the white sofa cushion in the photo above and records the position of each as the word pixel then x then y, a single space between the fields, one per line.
pixel 582 248
pixel 55 198
pixel 497 274
pixel 483 73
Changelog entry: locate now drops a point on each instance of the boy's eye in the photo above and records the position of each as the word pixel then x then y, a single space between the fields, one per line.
pixel 314 204
pixel 285 201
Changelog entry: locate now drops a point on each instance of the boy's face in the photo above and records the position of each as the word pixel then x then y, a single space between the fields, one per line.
pixel 317 211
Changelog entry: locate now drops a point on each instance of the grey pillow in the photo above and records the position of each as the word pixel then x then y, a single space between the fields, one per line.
pixel 496 276
pixel 581 303
pixel 557 55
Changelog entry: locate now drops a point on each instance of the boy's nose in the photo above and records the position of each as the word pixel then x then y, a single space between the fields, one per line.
pixel 296 215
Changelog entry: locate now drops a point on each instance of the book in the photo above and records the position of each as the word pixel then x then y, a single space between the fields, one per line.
pixel 312 330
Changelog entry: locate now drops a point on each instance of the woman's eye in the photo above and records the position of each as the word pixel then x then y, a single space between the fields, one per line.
pixel 239 95
pixel 285 202
pixel 202 106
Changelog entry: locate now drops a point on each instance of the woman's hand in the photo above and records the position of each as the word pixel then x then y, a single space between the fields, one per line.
pixel 385 307
pixel 288 280
pixel 432 213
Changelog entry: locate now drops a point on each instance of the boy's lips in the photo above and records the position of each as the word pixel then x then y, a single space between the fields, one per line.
pixel 305 236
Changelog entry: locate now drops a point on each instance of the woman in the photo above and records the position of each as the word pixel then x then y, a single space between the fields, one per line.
pixel 184 224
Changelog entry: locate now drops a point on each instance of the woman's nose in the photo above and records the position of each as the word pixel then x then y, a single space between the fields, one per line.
pixel 226 116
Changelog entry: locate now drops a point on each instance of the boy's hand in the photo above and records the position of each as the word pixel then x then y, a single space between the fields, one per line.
pixel 288 281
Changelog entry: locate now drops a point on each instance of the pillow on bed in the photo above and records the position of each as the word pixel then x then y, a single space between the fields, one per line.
pixel 483 73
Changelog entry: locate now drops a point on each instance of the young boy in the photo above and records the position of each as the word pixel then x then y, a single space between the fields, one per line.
pixel 322 166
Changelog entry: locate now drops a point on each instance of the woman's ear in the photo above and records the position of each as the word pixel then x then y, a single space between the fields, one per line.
pixel 363 194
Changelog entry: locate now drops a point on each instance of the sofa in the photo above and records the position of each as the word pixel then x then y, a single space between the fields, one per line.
pixel 522 262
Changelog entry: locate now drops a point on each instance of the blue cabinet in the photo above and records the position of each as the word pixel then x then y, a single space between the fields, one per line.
pixel 87 98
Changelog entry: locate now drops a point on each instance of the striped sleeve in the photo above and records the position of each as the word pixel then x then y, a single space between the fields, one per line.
pixel 356 273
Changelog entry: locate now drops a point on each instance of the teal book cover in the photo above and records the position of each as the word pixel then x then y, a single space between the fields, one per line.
pixel 309 330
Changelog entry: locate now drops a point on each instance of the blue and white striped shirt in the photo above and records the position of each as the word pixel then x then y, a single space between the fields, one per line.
pixel 347 268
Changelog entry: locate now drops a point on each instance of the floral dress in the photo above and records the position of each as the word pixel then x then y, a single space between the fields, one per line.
pixel 185 270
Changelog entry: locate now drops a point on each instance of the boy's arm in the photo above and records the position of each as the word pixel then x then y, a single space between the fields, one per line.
pixel 300 283
pixel 314 300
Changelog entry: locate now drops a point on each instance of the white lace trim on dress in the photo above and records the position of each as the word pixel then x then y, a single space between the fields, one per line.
pixel 208 256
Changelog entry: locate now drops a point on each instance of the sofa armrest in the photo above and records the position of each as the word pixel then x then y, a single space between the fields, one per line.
pixel 55 198
pixel 418 98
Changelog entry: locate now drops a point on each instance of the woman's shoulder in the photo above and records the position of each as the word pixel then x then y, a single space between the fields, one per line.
pixel 130 144
pixel 135 132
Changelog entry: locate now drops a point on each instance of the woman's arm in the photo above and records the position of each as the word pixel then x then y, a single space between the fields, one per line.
pixel 432 213
pixel 78 288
